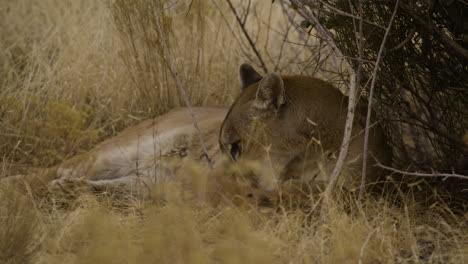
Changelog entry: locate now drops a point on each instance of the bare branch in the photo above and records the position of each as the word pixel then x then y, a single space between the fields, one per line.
pixel 369 105
pixel 325 35
pixel 408 38
pixel 420 174
pixel 231 30
pixel 189 8
pixel 455 47
pixel 302 33
pixel 351 106
pixel 331 9
pixel 364 245
pixel 280 55
pixel 179 83
pixel 246 34
pixel 246 15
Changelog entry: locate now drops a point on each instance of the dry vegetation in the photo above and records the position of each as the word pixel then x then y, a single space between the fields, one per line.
pixel 74 72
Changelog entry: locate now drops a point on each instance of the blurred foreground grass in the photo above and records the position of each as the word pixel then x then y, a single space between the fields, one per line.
pixel 203 229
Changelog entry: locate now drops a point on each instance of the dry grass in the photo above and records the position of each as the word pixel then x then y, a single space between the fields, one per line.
pixel 70 76
pixel 194 225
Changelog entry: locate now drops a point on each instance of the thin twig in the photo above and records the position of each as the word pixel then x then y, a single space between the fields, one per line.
pixel 325 34
pixel 421 174
pixel 246 15
pixel 179 84
pixel 364 245
pixel 280 55
pixel 406 40
pixel 246 34
pixel 369 105
pixel 189 8
pixel 351 106
pixel 231 30
pixel 331 9
pixel 303 11
pixel 302 34
pixel 456 48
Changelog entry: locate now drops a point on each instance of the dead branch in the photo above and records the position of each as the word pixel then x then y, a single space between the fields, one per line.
pixel 325 35
pixel 323 32
pixel 331 9
pixel 369 105
pixel 434 174
pixel 189 8
pixel 246 34
pixel 246 15
pixel 364 245
pixel 179 83
pixel 310 16
pixel 280 55
pixel 231 30
pixel 302 33
pixel 406 40
pixel 431 28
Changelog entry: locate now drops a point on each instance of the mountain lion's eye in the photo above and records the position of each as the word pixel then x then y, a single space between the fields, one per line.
pixel 235 150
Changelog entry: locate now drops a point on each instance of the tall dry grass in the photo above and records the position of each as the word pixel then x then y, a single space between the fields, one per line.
pixel 74 72
pixel 70 75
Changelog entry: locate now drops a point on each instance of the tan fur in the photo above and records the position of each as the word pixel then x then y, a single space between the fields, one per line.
pixel 147 153
pixel 294 125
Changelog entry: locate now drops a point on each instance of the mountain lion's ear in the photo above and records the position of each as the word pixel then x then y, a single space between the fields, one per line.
pixel 248 75
pixel 270 93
